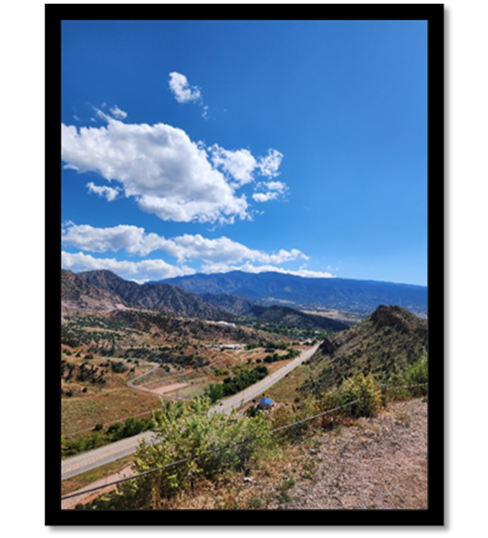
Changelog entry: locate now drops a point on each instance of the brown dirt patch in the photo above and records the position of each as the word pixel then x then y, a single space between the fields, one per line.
pixel 380 463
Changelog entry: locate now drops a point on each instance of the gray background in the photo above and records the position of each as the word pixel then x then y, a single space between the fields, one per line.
pixel 22 195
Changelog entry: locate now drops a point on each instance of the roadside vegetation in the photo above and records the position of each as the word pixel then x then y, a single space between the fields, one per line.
pixel 221 454
pixel 243 378
pixel 101 436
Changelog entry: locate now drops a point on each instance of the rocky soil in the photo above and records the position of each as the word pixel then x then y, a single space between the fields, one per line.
pixel 378 463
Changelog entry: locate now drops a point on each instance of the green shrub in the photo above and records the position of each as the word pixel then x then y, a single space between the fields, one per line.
pixel 363 388
pixel 417 373
pixel 187 430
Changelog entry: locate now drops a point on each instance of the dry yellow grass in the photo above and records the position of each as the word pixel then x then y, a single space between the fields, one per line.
pixel 77 482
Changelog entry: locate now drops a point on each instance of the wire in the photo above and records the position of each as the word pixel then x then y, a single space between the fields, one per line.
pixel 172 464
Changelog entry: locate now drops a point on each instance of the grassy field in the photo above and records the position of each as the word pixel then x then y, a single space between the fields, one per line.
pixel 80 415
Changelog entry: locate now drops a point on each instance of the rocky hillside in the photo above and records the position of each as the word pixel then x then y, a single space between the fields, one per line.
pixel 156 296
pixel 76 294
pixel 383 343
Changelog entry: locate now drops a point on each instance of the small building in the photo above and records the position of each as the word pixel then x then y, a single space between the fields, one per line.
pixel 265 403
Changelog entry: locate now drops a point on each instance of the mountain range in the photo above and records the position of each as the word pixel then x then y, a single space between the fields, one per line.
pixel 362 296
pixel 76 294
pixel 159 296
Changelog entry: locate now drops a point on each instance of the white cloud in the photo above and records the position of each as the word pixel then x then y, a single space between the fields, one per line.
pixel 167 173
pixel 107 192
pixel 269 165
pixel 183 92
pixel 239 164
pixel 276 186
pixel 275 189
pixel 265 197
pixel 248 268
pixel 186 247
pixel 117 113
pixel 143 270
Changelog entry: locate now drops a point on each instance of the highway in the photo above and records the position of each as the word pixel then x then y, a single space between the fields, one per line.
pixel 255 390
pixel 100 456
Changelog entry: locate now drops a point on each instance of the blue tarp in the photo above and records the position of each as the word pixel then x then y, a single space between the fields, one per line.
pixel 266 401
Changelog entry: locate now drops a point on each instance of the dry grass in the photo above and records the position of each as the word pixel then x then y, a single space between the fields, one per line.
pixel 83 413
pixel 80 481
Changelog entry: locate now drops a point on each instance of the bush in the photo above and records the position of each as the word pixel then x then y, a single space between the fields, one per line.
pixel 363 388
pixel 417 373
pixel 187 430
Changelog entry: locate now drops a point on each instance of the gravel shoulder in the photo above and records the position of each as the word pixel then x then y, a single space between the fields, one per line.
pixel 378 463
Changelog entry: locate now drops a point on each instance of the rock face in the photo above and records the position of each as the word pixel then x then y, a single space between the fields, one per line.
pixel 394 316
pixel 76 294
pixel 160 296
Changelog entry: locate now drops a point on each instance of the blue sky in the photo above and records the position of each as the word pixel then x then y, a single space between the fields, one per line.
pixel 208 146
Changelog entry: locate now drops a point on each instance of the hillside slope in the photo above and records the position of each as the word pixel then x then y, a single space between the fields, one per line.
pixel 386 341
pixel 231 303
pixel 161 297
pixel 76 294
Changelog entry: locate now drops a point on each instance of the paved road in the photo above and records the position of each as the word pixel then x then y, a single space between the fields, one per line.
pixel 258 388
pixel 100 456
pixel 95 458
pixel 131 382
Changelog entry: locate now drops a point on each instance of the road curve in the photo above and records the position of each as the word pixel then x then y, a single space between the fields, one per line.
pixel 100 456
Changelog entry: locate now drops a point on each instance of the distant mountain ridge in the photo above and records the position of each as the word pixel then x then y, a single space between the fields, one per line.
pixel 276 314
pixel 334 293
pixel 161 297
pixel 284 315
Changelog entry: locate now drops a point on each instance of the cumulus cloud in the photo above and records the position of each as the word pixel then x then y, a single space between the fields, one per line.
pixel 167 173
pixel 186 247
pixel 239 164
pixel 242 166
pixel 117 113
pixel 183 92
pixel 143 270
pixel 106 192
